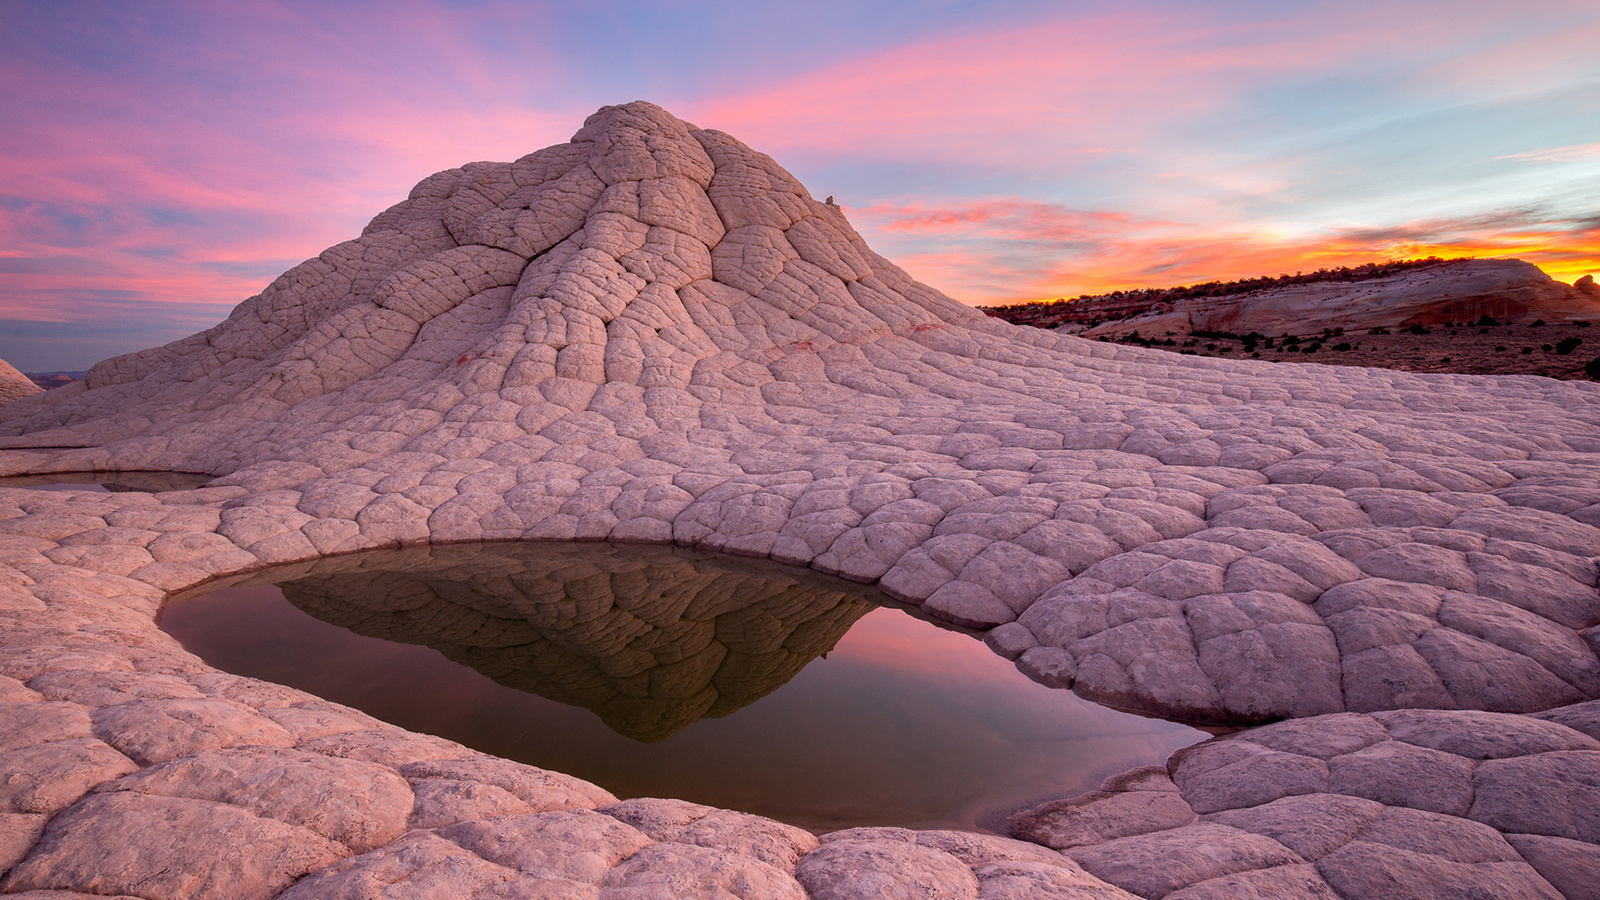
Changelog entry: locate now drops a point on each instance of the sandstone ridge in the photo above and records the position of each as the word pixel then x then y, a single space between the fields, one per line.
pixel 13 384
pixel 653 333
pixel 1506 290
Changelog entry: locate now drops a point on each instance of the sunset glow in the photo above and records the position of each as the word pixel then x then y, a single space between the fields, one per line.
pixel 162 163
pixel 1105 252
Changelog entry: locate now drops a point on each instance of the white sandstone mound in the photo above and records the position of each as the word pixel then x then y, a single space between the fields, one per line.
pixel 1507 290
pixel 14 385
pixel 644 256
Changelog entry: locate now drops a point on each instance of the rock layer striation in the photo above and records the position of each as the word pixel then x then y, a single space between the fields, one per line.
pixel 653 333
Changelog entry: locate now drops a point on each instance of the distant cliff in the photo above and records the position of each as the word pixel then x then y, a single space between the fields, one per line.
pixel 1393 295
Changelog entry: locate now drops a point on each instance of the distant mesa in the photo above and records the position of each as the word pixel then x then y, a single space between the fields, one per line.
pixel 1423 292
pixel 48 380
pixel 652 639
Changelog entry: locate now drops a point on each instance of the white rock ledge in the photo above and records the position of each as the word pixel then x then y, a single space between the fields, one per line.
pixel 654 334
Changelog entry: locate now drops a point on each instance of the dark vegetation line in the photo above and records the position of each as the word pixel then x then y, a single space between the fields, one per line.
pixel 1090 310
pixel 1152 296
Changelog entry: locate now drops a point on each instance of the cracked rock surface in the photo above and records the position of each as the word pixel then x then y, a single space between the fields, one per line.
pixel 653 334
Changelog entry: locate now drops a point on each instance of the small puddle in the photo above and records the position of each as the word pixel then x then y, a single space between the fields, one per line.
pixel 658 671
pixel 107 482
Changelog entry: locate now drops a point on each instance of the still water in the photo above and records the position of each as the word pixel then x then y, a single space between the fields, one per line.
pixel 657 671
pixel 106 482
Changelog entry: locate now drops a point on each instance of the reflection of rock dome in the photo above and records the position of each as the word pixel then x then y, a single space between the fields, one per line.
pixel 651 639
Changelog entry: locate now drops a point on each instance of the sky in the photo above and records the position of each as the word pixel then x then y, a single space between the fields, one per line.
pixel 162 161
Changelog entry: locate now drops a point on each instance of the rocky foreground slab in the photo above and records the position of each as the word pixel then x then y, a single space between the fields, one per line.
pixel 653 333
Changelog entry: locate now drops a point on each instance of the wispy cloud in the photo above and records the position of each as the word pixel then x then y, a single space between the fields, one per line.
pixel 1010 218
pixel 1570 153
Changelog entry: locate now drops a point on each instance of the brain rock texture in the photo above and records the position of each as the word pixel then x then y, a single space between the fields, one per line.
pixel 654 334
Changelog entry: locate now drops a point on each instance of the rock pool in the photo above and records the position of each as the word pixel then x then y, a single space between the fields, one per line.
pixel 658 671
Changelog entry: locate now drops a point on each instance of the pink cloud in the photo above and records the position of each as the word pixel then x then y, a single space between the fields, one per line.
pixel 1068 90
pixel 1522 54
pixel 1010 218
pixel 1569 153
pixel 969 98
pixel 192 193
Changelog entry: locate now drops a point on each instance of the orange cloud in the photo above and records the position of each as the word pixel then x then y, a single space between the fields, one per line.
pixel 1006 250
pixel 1157 129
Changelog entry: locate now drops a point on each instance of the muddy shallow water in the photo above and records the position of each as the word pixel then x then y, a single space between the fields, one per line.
pixel 656 671
pixel 147 482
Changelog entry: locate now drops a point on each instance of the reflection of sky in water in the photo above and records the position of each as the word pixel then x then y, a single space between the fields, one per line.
pixel 902 723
